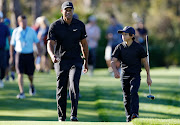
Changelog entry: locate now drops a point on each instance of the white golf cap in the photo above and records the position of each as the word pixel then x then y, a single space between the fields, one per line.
pixel 1 14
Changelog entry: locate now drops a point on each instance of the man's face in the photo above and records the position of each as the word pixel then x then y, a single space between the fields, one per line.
pixel 67 13
pixel 22 23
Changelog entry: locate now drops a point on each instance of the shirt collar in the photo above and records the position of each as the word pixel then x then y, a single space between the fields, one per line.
pixel 72 22
pixel 22 28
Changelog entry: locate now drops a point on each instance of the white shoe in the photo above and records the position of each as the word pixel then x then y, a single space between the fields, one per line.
pixel 21 96
pixel 1 84
pixel 32 90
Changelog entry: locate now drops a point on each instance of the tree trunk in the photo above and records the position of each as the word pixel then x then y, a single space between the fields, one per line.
pixel 36 9
pixel 15 8
pixel 3 7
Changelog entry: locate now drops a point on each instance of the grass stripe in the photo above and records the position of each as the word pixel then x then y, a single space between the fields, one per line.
pixel 101 101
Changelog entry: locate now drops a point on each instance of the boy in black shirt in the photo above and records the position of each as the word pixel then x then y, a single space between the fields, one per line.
pixel 130 54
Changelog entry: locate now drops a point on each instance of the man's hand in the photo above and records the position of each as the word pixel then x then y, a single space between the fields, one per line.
pixel 85 70
pixel 11 61
pixel 55 59
pixel 116 74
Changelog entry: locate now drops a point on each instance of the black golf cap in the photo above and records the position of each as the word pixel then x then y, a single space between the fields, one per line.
pixel 66 5
pixel 127 29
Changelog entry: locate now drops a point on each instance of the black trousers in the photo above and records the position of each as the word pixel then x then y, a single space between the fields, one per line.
pixel 2 63
pixel 67 72
pixel 130 87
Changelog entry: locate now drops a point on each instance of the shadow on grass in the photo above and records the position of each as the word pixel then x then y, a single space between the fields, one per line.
pixel 108 95
pixel 24 118
pixel 101 99
pixel 45 99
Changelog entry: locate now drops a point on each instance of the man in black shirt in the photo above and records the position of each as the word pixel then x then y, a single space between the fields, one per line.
pixel 130 54
pixel 66 41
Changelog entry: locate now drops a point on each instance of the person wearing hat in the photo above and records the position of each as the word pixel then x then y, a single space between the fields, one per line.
pixel 4 33
pixel 65 38
pixel 130 54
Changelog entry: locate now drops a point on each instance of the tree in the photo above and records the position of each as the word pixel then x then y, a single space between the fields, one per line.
pixel 3 7
pixel 36 9
pixel 15 9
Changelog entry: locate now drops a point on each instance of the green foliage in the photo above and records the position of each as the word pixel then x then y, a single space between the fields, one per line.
pixel 161 17
pixel 102 44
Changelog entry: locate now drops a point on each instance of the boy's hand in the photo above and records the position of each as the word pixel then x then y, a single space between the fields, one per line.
pixel 117 74
pixel 149 81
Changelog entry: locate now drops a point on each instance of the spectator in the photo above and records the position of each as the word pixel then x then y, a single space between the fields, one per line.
pixel 4 33
pixel 22 41
pixel 75 15
pixel 141 33
pixel 36 25
pixel 93 35
pixel 12 68
pixel 113 40
pixel 43 62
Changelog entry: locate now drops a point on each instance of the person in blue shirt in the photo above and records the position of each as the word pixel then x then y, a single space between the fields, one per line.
pixel 4 33
pixel 113 39
pixel 12 68
pixel 22 41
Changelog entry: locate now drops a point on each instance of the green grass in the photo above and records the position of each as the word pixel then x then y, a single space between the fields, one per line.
pixel 101 101
pixel 58 123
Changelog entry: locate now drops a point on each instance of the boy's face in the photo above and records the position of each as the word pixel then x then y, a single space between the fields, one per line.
pixel 126 36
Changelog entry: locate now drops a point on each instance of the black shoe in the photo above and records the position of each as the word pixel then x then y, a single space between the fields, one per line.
pixel 13 77
pixel 134 115
pixel 73 118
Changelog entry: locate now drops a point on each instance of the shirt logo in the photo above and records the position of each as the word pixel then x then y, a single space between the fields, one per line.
pixel 75 30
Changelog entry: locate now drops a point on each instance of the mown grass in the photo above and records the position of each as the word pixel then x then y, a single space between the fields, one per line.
pixel 101 100
pixel 145 121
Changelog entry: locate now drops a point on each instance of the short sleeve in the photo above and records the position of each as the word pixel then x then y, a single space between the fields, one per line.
pixel 108 30
pixel 117 52
pixel 142 52
pixel 51 33
pixel 13 38
pixel 83 32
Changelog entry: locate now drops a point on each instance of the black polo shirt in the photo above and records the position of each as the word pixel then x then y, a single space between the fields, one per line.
pixel 68 38
pixel 130 56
